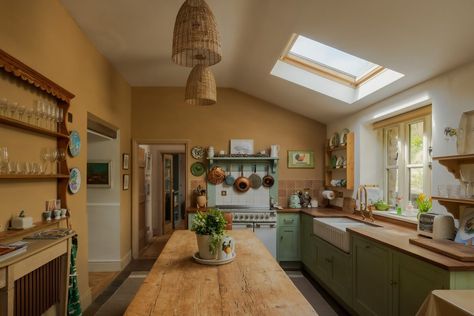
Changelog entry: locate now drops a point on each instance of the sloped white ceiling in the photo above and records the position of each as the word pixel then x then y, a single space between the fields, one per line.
pixel 420 39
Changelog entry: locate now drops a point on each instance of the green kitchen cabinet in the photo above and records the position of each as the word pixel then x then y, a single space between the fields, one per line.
pixel 333 267
pixel 307 241
pixel 288 240
pixel 413 281
pixel 372 277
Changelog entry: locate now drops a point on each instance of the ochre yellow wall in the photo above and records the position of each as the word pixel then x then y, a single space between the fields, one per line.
pixel 161 113
pixel 43 35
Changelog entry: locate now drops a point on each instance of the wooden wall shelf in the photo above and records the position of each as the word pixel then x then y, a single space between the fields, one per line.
pixel 453 204
pixel 453 162
pixel 246 160
pixel 33 177
pixel 346 172
pixel 32 128
pixel 38 226
pixel 62 98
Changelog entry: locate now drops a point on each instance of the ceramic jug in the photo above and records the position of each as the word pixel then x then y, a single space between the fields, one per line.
pixel 274 151
pixel 227 248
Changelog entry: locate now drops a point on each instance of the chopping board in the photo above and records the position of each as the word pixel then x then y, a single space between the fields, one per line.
pixel 446 247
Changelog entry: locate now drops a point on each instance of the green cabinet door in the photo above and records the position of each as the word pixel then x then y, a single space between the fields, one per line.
pixel 413 281
pixel 342 275
pixel 288 246
pixel 306 240
pixel 288 241
pixel 372 289
pixel 323 261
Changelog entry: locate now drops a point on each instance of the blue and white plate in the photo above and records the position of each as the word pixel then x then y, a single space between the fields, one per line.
pixel 74 180
pixel 74 143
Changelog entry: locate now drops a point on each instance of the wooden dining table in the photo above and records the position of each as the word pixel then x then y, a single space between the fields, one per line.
pixel 253 284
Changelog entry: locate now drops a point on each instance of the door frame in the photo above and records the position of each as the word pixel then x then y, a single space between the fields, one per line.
pixel 164 195
pixel 134 208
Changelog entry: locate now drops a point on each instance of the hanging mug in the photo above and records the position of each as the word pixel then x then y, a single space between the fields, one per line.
pixel 274 151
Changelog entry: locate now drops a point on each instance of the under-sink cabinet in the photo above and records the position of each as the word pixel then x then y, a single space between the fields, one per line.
pixel 388 282
pixel 288 237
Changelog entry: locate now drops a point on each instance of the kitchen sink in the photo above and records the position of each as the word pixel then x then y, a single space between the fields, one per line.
pixel 334 230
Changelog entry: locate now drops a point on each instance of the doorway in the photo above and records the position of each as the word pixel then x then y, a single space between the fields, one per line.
pixel 158 191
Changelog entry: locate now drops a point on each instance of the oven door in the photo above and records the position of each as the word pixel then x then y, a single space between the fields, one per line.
pixel 237 226
pixel 267 233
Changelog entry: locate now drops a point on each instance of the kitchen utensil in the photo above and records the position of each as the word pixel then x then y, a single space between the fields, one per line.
pixel 197 152
pixel 242 184
pixel 255 180
pixel 197 169
pixel 229 179
pixel 216 175
pixel 268 180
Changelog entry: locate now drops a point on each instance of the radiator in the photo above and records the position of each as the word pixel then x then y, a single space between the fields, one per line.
pixel 40 289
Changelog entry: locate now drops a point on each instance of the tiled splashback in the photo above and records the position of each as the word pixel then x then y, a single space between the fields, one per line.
pixel 227 195
pixel 288 187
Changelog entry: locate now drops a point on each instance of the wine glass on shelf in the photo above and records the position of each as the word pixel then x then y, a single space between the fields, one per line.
pixel 53 158
pixel 29 114
pixel 3 106
pixel 60 113
pixel 12 108
pixel 38 112
pixel 3 160
pixel 61 158
pixel 44 155
pixel 52 118
pixel 21 111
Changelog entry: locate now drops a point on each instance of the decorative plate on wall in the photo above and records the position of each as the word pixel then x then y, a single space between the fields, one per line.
pixel 198 169
pixel 74 183
pixel 197 152
pixel 74 143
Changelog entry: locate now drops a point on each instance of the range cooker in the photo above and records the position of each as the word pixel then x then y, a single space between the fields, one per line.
pixel 260 220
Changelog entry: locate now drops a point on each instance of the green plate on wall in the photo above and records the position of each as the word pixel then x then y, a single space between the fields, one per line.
pixel 198 169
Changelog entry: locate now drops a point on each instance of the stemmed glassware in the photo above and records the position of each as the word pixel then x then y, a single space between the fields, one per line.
pixel 21 110
pixel 3 106
pixel 45 156
pixel 12 107
pixel 4 160
pixel 61 158
pixel 53 158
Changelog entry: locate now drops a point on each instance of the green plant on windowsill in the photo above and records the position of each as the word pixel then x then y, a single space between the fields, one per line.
pixel 381 205
pixel 423 203
pixel 211 224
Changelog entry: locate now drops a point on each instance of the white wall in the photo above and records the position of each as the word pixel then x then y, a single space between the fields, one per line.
pixel 103 207
pixel 450 94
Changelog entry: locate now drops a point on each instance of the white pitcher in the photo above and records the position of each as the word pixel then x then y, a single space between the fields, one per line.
pixel 274 151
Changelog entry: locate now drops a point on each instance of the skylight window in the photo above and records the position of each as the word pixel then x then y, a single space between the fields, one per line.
pixel 354 77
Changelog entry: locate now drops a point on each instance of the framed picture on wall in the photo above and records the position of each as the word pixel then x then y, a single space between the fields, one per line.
pixel 98 174
pixel 126 181
pixel 300 159
pixel 241 146
pixel 125 161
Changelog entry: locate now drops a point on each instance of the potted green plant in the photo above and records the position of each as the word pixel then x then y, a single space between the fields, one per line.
pixel 210 231
pixel 423 203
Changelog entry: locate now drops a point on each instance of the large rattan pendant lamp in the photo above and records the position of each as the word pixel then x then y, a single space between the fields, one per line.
pixel 195 37
pixel 201 86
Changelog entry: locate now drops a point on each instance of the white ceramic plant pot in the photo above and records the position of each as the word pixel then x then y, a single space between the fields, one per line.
pixel 203 246
pixel 201 201
pixel 226 249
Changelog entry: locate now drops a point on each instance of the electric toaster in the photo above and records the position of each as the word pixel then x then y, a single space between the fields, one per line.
pixel 436 226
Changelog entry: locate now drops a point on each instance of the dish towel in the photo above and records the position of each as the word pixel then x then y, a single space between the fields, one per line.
pixel 74 304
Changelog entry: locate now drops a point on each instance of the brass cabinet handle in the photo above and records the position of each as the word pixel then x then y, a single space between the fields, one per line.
pixel 328 260
pixel 367 246
pixel 393 283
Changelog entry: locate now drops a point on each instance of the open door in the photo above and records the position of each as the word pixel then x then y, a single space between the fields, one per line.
pixel 168 194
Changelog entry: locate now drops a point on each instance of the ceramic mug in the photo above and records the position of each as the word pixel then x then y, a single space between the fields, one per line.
pixel 57 214
pixel 227 249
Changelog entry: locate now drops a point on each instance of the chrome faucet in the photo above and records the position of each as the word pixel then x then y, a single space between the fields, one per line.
pixel 364 206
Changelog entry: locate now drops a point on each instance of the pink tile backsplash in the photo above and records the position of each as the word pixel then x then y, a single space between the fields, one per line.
pixel 287 187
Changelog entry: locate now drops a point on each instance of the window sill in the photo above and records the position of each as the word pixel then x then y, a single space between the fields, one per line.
pixel 393 215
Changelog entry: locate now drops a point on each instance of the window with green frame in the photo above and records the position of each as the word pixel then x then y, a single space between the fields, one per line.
pixel 407 162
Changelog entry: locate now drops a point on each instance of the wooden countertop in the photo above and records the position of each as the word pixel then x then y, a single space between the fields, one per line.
pixel 253 284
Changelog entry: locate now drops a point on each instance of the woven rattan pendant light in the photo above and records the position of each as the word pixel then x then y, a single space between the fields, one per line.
pixel 201 86
pixel 195 37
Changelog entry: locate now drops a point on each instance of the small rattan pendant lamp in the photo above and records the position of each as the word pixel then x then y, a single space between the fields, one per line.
pixel 195 37
pixel 201 86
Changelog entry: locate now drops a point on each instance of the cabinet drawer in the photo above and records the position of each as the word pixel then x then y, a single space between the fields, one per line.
pixel 288 219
